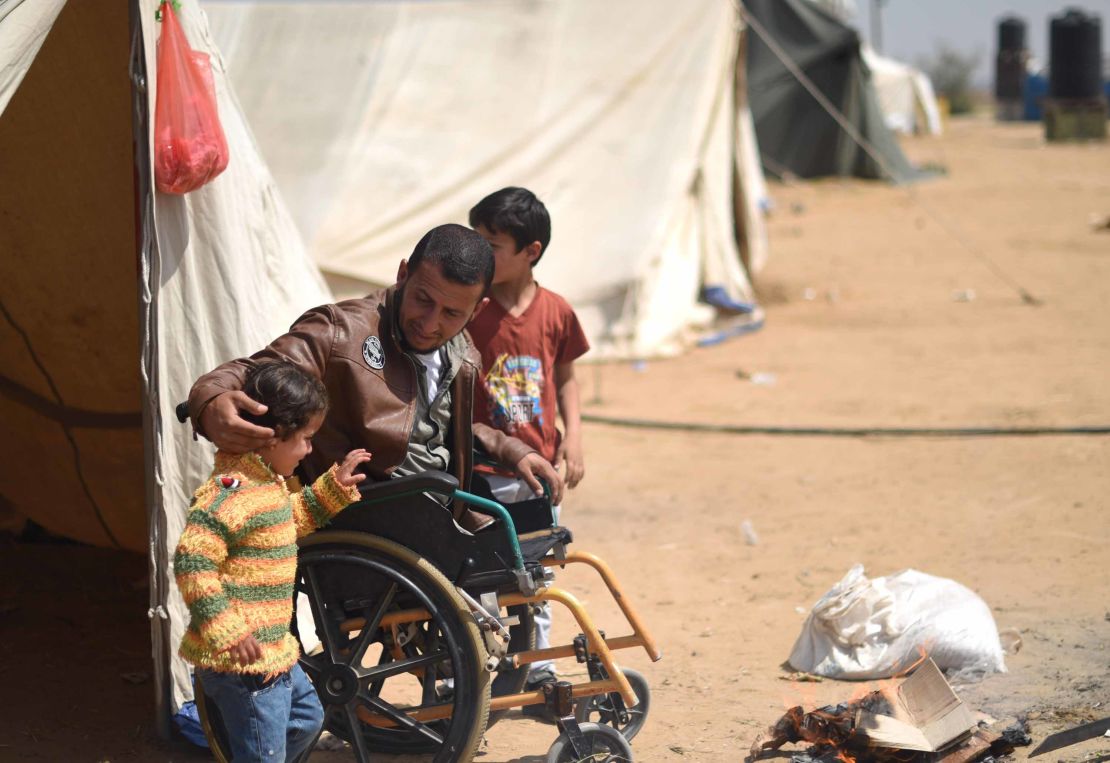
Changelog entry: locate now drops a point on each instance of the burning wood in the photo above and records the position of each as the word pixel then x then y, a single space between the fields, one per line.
pixel 919 721
pixel 831 732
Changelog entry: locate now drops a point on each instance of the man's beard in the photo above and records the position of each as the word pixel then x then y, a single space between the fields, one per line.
pixel 406 346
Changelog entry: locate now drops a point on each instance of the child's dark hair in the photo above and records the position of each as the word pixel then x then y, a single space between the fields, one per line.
pixel 291 396
pixel 515 211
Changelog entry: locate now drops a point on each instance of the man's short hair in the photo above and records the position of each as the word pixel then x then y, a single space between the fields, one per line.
pixel 463 256
pixel 515 211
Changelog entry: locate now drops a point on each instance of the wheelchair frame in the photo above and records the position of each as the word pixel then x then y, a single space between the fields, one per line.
pixel 490 572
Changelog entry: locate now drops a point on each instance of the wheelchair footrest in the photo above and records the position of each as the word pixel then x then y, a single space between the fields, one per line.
pixel 536 545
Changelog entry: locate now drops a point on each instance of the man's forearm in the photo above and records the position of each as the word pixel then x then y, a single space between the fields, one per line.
pixel 501 447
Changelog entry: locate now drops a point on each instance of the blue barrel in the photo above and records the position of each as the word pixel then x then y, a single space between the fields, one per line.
pixel 1036 90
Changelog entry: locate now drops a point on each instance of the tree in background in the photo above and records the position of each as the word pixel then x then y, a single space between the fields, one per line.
pixel 950 71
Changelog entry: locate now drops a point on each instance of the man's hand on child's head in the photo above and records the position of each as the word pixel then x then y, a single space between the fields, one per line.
pixel 223 425
pixel 570 455
pixel 246 651
pixel 345 475
pixel 534 467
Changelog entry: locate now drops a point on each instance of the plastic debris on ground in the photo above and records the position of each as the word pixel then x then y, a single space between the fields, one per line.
pixel 749 533
pixel 764 379
pixel 187 720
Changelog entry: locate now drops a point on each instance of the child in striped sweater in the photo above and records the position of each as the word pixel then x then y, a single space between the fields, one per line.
pixel 236 563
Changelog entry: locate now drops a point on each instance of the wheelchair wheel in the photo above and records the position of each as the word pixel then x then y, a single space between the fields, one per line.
pixel 212 723
pixel 371 679
pixel 610 709
pixel 605 743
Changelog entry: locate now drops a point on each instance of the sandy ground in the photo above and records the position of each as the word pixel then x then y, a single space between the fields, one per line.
pixel 888 338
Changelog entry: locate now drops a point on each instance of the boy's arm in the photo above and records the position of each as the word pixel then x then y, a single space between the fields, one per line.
pixel 570 449
pixel 196 564
pixel 333 491
pixel 216 397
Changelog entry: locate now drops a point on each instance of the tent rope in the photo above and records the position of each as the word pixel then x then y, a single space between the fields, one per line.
pixel 801 431
pixel 65 426
pixel 946 225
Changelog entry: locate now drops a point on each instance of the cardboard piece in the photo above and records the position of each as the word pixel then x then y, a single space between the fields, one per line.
pixel 927 714
pixel 981 743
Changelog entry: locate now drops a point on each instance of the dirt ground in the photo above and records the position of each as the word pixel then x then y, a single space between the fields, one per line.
pixel 886 307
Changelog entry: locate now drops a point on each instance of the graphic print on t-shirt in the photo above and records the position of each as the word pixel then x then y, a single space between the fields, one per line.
pixel 515 385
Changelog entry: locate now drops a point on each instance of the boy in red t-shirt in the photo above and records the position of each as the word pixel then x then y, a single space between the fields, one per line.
pixel 529 338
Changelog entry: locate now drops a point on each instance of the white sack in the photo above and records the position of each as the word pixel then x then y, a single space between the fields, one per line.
pixel 878 628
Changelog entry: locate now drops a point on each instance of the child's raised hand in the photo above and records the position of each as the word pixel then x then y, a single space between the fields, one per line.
pixel 345 475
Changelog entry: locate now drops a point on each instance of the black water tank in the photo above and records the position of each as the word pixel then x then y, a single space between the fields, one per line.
pixel 1075 56
pixel 1011 34
pixel 1009 64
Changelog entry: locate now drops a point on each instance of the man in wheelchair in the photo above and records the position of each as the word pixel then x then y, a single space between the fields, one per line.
pixel 400 373
pixel 404 596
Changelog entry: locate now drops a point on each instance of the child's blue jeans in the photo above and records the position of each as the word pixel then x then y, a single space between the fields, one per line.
pixel 275 723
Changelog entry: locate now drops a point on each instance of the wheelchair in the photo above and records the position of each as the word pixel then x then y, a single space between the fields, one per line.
pixel 425 631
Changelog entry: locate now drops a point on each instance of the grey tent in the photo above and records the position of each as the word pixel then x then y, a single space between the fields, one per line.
pixel 796 133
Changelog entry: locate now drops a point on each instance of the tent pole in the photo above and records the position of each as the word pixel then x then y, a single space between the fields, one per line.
pixel 877 25
pixel 147 283
pixel 739 102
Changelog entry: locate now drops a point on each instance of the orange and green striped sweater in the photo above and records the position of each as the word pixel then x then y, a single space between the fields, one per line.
pixel 237 559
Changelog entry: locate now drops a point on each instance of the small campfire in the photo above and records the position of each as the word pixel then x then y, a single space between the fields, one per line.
pixel 920 720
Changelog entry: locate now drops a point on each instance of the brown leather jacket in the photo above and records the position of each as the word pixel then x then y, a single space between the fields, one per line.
pixel 372 388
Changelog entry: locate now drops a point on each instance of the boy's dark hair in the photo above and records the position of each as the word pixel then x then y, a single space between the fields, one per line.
pixel 463 255
pixel 515 211
pixel 291 396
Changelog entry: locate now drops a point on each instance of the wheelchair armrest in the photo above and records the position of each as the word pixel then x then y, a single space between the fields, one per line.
pixel 430 482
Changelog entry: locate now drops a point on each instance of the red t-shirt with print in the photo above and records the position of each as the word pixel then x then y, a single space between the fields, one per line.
pixel 516 392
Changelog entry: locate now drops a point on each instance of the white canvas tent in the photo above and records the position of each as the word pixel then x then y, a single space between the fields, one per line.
pixel 115 298
pixel 906 95
pixel 380 120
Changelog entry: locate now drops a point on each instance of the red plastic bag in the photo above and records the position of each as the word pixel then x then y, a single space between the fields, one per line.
pixel 189 144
